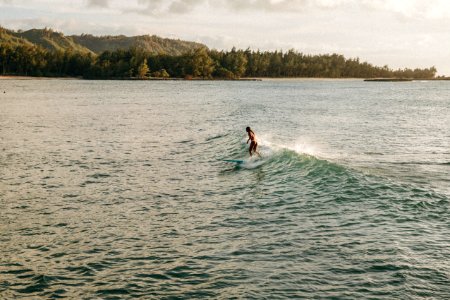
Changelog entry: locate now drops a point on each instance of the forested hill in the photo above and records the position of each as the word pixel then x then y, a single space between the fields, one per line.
pixel 44 52
pixel 46 38
pixel 151 44
pixel 7 37
pixel 87 43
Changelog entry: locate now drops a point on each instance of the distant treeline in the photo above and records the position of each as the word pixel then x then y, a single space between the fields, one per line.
pixel 34 60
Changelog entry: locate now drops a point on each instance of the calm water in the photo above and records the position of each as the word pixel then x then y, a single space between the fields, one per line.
pixel 117 190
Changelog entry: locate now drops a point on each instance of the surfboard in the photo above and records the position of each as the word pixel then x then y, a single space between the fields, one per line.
pixel 236 161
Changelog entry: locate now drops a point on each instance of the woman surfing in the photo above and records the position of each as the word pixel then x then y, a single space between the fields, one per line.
pixel 253 143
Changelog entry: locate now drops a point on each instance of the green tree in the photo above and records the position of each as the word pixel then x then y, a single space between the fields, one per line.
pixel 161 74
pixel 143 70
pixel 202 64
pixel 235 61
pixel 276 64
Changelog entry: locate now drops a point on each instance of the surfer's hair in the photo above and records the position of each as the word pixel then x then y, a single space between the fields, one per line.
pixel 247 129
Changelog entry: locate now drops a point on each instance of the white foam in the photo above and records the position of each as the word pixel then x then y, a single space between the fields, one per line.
pixel 253 163
pixel 268 146
pixel 301 146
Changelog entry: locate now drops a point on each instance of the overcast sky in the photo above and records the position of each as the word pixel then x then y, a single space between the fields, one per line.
pixel 399 33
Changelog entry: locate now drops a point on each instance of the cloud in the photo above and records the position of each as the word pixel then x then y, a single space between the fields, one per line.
pixel 98 3
pixel 183 6
pixel 164 7
pixel 39 22
pixel 285 5
pixel 427 9
pixel 155 7
pixel 406 8
pixel 411 9
pixel 265 5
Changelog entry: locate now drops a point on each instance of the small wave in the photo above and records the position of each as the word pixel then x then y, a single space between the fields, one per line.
pixel 426 163
pixel 302 146
pixel 99 175
pixel 186 141
pixel 373 153
pixel 253 163
pixel 303 165
pixel 300 152
pixel 216 137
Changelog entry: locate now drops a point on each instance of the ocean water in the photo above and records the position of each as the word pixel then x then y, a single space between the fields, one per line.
pixel 118 190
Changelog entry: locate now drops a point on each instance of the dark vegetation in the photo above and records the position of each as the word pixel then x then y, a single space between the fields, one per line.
pixel 44 52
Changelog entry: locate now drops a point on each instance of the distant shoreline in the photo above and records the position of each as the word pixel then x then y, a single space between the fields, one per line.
pixel 21 77
pixel 12 77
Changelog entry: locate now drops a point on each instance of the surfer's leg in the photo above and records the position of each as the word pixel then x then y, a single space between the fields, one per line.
pixel 254 149
pixel 251 148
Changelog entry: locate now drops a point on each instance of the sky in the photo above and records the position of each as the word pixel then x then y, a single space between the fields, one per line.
pixel 397 33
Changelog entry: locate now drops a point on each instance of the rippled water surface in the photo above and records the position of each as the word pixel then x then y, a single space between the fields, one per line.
pixel 118 190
